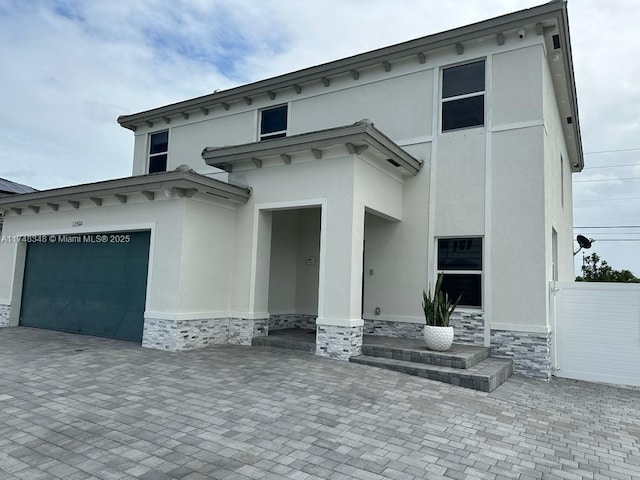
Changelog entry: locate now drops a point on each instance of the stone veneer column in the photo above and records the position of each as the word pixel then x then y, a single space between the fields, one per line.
pixel 5 314
pixel 178 335
pixel 242 330
pixel 339 341
pixel 531 352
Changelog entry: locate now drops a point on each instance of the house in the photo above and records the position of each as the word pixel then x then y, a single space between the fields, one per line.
pixel 328 197
pixel 7 187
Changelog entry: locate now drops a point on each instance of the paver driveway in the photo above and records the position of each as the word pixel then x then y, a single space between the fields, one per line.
pixel 77 407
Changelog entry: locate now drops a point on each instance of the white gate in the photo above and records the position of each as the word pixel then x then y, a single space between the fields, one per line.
pixel 597 328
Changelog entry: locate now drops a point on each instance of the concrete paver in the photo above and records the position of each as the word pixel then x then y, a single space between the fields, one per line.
pixel 79 407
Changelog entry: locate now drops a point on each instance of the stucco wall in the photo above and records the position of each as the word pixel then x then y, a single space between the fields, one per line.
pixel 398 106
pixel 307 274
pixel 283 263
pixel 177 284
pixel 293 283
pixel 518 282
pixel 207 258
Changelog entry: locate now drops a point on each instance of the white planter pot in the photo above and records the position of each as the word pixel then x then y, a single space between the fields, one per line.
pixel 438 338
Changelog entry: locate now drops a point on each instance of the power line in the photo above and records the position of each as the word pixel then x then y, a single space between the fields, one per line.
pixel 612 226
pixel 614 199
pixel 607 180
pixel 617 240
pixel 612 166
pixel 612 151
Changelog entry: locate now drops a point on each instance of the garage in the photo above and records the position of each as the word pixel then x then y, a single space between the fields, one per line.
pixel 94 284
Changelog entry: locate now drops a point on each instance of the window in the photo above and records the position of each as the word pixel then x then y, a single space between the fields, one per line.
pixel 460 260
pixel 273 123
pixel 463 96
pixel 158 151
pixel 561 181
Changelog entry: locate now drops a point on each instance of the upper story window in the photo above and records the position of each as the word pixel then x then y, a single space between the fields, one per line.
pixel 460 260
pixel 273 122
pixel 463 96
pixel 158 151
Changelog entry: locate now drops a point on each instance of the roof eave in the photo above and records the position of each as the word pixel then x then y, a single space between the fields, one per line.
pixel 180 180
pixel 342 66
pixel 358 133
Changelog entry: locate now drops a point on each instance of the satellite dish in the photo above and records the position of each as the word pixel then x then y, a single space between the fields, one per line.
pixel 584 242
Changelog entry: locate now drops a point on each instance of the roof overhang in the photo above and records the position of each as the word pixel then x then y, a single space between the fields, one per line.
pixel 547 18
pixel 184 183
pixel 356 138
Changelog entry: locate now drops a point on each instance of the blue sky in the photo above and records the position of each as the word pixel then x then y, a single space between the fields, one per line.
pixel 68 68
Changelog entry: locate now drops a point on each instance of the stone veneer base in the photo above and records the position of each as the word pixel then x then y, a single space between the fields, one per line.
pixel 5 314
pixel 279 321
pixel 338 342
pixel 180 335
pixel 468 328
pixel 531 352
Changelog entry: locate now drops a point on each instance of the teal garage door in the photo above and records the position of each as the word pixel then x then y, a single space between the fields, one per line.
pixel 93 284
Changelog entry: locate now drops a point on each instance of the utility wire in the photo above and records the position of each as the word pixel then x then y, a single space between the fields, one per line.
pixel 613 199
pixel 612 226
pixel 612 166
pixel 607 180
pixel 612 151
pixel 616 240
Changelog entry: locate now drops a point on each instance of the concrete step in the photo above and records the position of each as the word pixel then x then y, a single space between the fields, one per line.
pixel 415 350
pixel 286 343
pixel 485 376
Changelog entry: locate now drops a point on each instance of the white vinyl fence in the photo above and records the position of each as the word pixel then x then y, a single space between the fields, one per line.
pixel 597 331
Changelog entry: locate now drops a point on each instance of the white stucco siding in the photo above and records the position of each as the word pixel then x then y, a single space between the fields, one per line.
pixel 293 281
pixel 396 252
pixel 516 94
pixel 187 140
pixel 284 258
pixel 459 183
pixel 140 150
pixel 303 183
pixel 518 280
pixel 400 107
pixel 307 274
pixel 558 184
pixel 206 269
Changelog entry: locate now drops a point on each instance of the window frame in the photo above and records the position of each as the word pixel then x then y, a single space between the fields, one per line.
pixel 152 156
pixel 276 134
pixel 480 93
pixel 479 272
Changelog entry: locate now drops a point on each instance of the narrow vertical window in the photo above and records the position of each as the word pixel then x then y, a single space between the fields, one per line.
pixel 273 123
pixel 463 96
pixel 554 255
pixel 561 181
pixel 158 151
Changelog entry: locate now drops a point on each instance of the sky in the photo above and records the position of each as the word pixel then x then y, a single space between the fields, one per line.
pixel 69 68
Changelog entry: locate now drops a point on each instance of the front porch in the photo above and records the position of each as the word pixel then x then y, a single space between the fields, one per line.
pixel 463 365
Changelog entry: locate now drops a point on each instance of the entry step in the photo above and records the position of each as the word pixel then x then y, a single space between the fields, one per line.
pixel 485 376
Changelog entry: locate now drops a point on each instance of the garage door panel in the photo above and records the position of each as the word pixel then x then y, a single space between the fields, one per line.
pixel 92 288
